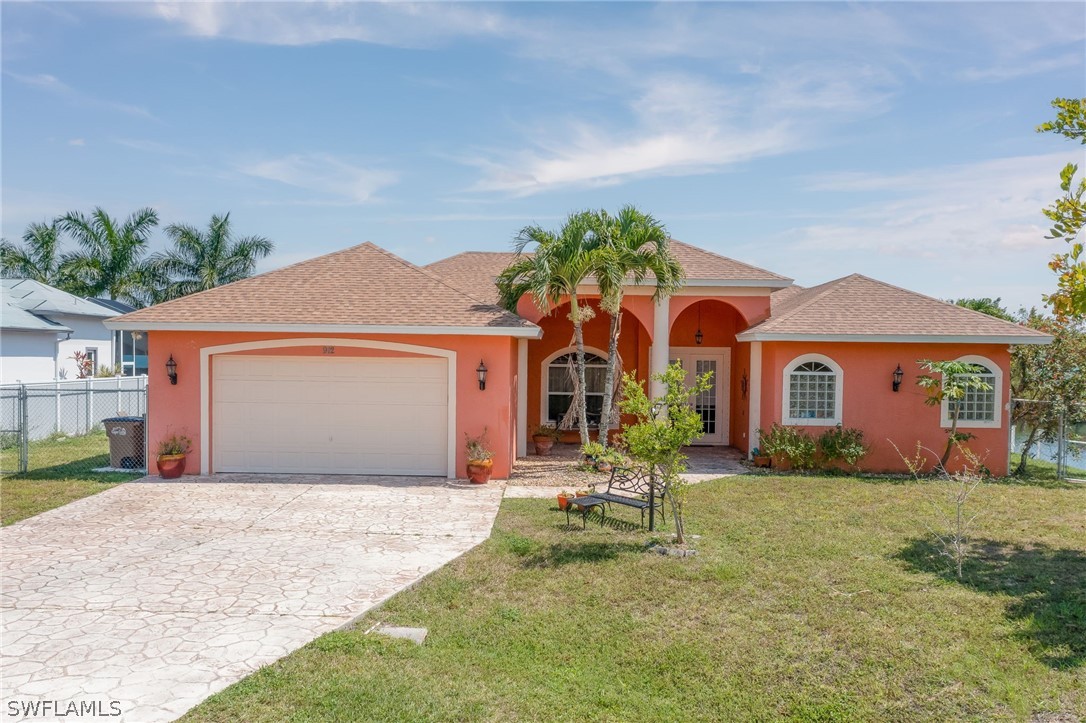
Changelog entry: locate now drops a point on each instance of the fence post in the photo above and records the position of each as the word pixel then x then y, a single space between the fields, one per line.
pixel 1061 448
pixel 24 432
pixel 90 405
pixel 56 406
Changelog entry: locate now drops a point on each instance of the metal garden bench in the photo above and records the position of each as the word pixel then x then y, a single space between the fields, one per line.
pixel 629 487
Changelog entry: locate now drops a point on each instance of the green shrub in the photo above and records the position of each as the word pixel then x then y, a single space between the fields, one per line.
pixel 792 444
pixel 845 444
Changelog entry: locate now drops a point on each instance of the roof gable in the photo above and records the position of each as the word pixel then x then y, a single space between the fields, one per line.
pixel 362 286
pixel 858 308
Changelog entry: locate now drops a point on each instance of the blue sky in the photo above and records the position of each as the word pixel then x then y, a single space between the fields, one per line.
pixel 813 139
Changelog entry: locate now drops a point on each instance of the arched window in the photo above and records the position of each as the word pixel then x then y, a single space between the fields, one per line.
pixel 980 407
pixel 812 391
pixel 558 386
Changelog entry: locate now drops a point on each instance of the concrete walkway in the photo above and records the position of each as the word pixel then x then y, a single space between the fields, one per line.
pixel 153 595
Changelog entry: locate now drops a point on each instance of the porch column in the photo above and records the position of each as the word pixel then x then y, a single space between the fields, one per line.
pixel 661 350
pixel 522 397
pixel 755 396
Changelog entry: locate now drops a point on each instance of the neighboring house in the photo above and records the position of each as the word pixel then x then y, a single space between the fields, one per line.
pixel 43 327
pixel 360 362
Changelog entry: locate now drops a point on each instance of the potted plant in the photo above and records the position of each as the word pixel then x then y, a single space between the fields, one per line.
pixel 563 499
pixel 480 459
pixel 545 437
pixel 609 459
pixel 171 455
pixel 759 459
pixel 592 452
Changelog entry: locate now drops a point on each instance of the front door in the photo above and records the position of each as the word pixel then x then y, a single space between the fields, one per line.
pixel 712 404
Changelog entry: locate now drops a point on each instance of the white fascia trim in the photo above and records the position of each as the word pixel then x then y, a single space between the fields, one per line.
pixel 205 382
pixel 895 338
pixel 520 332
pixel 699 288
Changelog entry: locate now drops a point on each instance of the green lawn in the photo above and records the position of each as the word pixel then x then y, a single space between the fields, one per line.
pixel 1039 469
pixel 812 599
pixel 59 473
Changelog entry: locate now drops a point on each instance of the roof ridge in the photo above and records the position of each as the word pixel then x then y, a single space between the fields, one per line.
pixel 727 258
pixel 958 307
pixel 814 293
pixel 439 279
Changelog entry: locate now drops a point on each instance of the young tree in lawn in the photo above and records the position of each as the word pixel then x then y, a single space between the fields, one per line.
pixel 110 260
pixel 1068 215
pixel 632 246
pixel 955 380
pixel 201 260
pixel 38 257
pixel 664 426
pixel 560 261
pixel 1051 378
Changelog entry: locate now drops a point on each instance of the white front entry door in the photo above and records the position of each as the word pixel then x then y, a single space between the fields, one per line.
pixel 330 415
pixel 713 404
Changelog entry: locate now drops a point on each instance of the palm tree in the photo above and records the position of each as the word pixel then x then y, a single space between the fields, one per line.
pixel 631 246
pixel 562 260
pixel 202 260
pixel 38 258
pixel 111 258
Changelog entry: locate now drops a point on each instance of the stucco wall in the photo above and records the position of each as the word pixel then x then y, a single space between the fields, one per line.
pixel 176 408
pixel 87 333
pixel 885 416
pixel 27 356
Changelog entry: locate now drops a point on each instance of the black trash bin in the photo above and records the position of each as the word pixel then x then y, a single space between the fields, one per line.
pixel 125 442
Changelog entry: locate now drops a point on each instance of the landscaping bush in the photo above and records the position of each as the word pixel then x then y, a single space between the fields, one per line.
pixel 842 444
pixel 790 444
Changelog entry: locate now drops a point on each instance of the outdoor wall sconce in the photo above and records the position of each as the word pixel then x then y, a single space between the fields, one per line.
pixel 481 372
pixel 171 369
pixel 744 384
pixel 898 374
pixel 698 336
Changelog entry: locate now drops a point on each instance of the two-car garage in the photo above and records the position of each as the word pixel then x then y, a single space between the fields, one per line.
pixel 330 414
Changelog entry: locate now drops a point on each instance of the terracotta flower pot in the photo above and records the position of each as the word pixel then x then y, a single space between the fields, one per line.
pixel 603 466
pixel 761 460
pixel 563 501
pixel 171 466
pixel 543 445
pixel 782 463
pixel 479 470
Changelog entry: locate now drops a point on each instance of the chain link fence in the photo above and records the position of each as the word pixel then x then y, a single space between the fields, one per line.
pixel 1048 439
pixel 64 428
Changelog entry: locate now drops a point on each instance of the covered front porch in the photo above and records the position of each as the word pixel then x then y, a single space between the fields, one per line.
pixel 701 334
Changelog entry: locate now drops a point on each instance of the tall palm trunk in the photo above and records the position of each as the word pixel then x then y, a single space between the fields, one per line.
pixel 579 399
pixel 609 380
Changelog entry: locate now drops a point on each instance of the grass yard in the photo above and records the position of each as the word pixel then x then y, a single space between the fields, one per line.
pixel 812 599
pixel 59 473
pixel 1041 470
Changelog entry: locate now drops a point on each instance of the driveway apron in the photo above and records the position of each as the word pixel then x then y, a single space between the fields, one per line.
pixel 151 596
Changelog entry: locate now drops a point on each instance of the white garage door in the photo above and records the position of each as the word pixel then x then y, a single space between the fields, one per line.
pixel 322 415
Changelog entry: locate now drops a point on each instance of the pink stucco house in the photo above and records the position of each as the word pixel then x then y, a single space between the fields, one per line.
pixel 360 362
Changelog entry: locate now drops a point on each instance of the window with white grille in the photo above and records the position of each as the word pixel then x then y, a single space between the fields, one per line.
pixel 812 391
pixel 979 408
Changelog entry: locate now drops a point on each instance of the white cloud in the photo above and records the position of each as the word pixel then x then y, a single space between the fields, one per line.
pixel 303 23
pixel 79 142
pixel 138 144
pixel 52 84
pixel 324 174
pixel 955 211
pixel 1011 71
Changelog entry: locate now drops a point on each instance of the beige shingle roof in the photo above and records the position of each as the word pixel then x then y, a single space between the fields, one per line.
pixel 474 271
pixel 860 308
pixel 363 285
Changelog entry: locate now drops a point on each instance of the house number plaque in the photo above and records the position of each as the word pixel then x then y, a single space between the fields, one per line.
pixel 328 349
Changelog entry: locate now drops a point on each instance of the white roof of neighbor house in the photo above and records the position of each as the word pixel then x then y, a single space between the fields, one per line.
pixel 39 298
pixel 13 318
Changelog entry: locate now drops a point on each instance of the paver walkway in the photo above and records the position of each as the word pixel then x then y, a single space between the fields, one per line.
pixel 157 594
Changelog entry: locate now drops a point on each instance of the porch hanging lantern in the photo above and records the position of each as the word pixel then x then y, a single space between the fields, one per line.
pixel 171 369
pixel 898 375
pixel 481 372
pixel 698 336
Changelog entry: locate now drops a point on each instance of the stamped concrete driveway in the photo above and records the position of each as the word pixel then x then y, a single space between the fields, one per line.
pixel 157 594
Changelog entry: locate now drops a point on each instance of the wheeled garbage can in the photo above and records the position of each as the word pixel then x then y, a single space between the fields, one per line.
pixel 125 442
